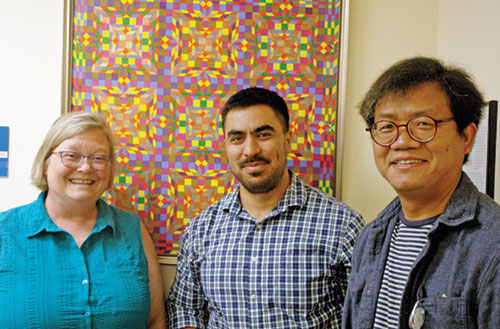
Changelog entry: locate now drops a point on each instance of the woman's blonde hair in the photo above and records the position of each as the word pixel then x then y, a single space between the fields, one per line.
pixel 67 126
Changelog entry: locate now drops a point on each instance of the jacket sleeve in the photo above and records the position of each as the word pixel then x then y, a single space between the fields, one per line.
pixel 488 302
pixel 352 228
pixel 355 308
pixel 186 302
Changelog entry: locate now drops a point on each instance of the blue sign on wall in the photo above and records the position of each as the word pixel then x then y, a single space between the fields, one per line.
pixel 4 151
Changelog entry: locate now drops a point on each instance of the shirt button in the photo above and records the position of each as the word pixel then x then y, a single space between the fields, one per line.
pixel 87 313
pixel 254 259
pixel 85 282
pixel 254 297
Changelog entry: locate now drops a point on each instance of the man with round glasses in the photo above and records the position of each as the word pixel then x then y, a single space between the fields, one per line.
pixel 421 129
pixel 431 259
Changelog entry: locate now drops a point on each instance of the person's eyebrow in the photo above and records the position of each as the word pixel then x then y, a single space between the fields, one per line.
pixel 263 128
pixel 235 132
pixel 415 114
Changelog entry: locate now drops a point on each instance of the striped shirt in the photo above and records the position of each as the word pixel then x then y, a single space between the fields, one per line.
pixel 287 271
pixel 407 241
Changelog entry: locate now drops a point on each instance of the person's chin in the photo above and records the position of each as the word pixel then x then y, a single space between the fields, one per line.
pixel 406 185
pixel 84 194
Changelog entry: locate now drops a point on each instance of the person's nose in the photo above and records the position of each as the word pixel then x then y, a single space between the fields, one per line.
pixel 252 147
pixel 85 165
pixel 404 140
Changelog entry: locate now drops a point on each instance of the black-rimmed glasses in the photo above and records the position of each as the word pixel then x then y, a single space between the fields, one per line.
pixel 421 129
pixel 75 160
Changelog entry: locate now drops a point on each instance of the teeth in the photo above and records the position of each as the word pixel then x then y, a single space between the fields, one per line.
pixel 404 162
pixel 81 181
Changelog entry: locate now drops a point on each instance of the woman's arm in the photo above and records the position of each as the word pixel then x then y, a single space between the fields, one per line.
pixel 156 318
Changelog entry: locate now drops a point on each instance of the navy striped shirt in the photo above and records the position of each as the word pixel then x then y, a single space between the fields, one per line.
pixel 407 241
pixel 287 271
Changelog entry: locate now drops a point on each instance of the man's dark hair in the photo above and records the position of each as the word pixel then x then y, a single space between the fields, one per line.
pixel 258 96
pixel 465 100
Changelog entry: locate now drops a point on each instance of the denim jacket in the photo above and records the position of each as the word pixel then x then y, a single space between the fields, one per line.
pixel 456 277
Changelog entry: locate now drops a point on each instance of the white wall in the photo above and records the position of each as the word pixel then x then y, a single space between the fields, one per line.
pixel 30 87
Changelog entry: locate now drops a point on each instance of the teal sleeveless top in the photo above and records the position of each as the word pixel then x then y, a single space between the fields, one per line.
pixel 46 281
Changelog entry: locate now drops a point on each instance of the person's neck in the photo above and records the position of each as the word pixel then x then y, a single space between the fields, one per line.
pixel 75 211
pixel 76 219
pixel 259 205
pixel 418 206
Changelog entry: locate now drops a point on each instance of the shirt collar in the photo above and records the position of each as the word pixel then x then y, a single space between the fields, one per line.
pixel 460 208
pixel 105 217
pixel 462 205
pixel 295 196
pixel 38 219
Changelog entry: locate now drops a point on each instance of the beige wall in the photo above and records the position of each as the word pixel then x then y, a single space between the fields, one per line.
pixel 467 35
pixel 168 273
pixel 380 33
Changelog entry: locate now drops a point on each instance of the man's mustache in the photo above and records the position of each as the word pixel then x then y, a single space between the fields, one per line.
pixel 253 159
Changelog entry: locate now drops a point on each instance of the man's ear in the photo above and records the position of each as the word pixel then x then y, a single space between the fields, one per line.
pixel 469 136
pixel 288 141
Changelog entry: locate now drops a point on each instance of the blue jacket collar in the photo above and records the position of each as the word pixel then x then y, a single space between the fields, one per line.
pixel 459 209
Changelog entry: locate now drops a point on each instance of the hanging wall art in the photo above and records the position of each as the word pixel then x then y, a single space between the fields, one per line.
pixel 160 71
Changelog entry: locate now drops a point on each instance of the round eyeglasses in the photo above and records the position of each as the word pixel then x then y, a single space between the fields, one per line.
pixel 75 160
pixel 421 129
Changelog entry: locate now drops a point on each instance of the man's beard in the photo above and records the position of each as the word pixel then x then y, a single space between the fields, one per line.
pixel 267 184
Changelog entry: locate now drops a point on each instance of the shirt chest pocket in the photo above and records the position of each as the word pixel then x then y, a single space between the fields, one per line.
pixel 447 312
pixel 305 279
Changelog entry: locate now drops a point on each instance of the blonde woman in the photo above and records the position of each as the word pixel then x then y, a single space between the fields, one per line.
pixel 69 260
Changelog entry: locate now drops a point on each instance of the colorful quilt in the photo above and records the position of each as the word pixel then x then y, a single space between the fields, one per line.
pixel 160 71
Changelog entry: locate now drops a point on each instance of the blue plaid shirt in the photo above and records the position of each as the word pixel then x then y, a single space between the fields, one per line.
pixel 287 271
